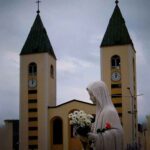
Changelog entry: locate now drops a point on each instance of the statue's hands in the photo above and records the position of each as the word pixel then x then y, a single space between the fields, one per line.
pixel 83 139
pixel 92 136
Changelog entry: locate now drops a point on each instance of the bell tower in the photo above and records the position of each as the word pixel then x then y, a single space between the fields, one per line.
pixel 37 87
pixel 118 71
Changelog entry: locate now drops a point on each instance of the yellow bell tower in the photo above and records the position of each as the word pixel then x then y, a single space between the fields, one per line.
pixel 118 71
pixel 37 87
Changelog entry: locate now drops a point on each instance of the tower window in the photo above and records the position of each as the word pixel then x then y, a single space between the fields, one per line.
pixel 115 85
pixel 32 119
pixel 32 91
pixel 32 70
pixel 52 71
pixel 32 110
pixel 32 101
pixel 116 95
pixel 118 105
pixel 33 147
pixel 57 131
pixel 33 128
pixel 33 137
pixel 115 62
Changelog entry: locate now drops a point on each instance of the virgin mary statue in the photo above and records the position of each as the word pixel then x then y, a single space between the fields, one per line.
pixel 107 131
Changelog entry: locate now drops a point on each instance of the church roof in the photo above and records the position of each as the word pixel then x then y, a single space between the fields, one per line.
pixel 37 40
pixel 72 101
pixel 116 32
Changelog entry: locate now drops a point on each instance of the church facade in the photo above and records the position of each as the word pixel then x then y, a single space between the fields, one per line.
pixel 43 125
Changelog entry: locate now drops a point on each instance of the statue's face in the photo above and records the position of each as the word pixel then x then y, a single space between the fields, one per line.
pixel 92 97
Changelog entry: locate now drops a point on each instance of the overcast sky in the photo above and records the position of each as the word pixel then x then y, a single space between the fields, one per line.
pixel 75 29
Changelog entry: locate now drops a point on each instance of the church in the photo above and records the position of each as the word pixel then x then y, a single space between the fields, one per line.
pixel 43 125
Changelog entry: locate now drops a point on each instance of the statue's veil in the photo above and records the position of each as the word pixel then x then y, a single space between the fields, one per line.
pixel 100 92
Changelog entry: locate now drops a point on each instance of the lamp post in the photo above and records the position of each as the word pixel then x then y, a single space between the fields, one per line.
pixel 133 112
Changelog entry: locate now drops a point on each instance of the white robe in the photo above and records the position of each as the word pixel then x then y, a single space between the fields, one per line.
pixel 111 139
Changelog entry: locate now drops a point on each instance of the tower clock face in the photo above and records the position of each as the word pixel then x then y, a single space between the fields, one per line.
pixel 32 83
pixel 115 76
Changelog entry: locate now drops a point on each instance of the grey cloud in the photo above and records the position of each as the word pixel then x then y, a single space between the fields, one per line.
pixel 75 29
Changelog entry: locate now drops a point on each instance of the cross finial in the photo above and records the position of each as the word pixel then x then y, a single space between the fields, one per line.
pixel 116 2
pixel 38 5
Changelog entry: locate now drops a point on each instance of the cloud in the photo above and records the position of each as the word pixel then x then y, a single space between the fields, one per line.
pixel 74 75
pixel 143 111
pixel 73 65
pixel 9 88
pixel 75 29
pixel 80 93
pixel 66 66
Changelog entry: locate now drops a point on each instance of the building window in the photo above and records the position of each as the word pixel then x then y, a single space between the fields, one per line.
pixel 32 91
pixel 33 128
pixel 32 119
pixel 32 70
pixel 32 147
pixel 33 137
pixel 52 71
pixel 115 85
pixel 116 95
pixel 32 110
pixel 57 131
pixel 118 105
pixel 115 62
pixel 32 101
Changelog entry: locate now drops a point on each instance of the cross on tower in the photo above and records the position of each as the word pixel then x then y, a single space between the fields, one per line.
pixel 38 5
pixel 116 2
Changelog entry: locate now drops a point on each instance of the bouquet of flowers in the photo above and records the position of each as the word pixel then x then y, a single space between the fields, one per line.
pixel 81 122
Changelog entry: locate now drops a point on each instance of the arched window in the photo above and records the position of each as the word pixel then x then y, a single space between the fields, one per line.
pixel 57 131
pixel 32 70
pixel 52 71
pixel 115 62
